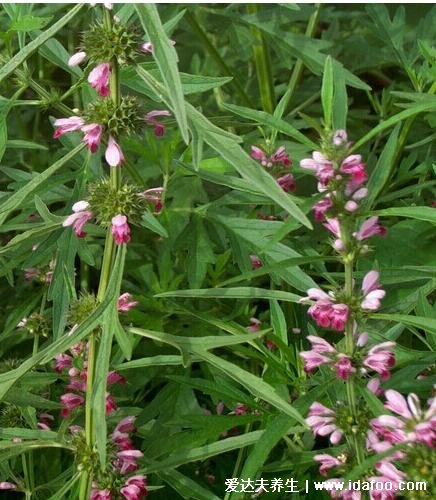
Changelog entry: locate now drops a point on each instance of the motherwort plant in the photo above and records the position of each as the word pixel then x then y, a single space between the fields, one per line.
pixel 354 358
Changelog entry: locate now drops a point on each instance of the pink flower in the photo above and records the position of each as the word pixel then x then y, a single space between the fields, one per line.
pixel 360 194
pixel 372 293
pixel 80 216
pixel 322 167
pixel 100 495
pixel 315 358
pixel 351 206
pixel 257 154
pixel 127 460
pixel 154 196
pixel 92 136
pixel 286 182
pixel 370 228
pixel 240 409
pixel 281 156
pixel 327 462
pixel 126 424
pixel 114 155
pixel 135 488
pixel 99 79
pixel 340 491
pixel 31 273
pixel 373 443
pixel 322 421
pixel 256 263
pixel 374 386
pixel 5 485
pixel 44 421
pixel 148 48
pixel 353 166
pixel 388 474
pixel 71 401
pixel 254 325
pixel 122 440
pixel 321 208
pixel 381 359
pixel 110 405
pixel 344 367
pixel 64 125
pixel 120 229
pixel 415 425
pixel 77 58
pixel 62 361
pixel 325 312
pixel 115 378
pixel 333 226
pixel 150 119
pixel 125 302
pixel 340 137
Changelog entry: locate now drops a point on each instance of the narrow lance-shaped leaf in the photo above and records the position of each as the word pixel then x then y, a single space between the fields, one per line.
pixel 24 53
pixel 14 201
pixel 166 58
pixel 255 385
pixel 327 91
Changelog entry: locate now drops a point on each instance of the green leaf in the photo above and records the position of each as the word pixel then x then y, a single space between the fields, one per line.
pixel 185 486
pixel 166 58
pixel 277 427
pixel 194 345
pixel 234 293
pixel 160 360
pixel 340 98
pixel 382 172
pixel 255 385
pixel 278 321
pixel 246 166
pixel 60 494
pixel 149 221
pixel 29 23
pixel 412 111
pixel 327 93
pixel 427 324
pixel 200 253
pixel 272 121
pixel 24 53
pixel 30 236
pixel 20 144
pixel 15 200
pixel 421 213
pixel 202 452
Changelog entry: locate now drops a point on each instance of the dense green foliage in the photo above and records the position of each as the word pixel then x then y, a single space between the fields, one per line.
pixel 238 75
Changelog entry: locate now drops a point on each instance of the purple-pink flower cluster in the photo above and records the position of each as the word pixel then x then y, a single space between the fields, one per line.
pixel 279 159
pixel 342 182
pixel 124 462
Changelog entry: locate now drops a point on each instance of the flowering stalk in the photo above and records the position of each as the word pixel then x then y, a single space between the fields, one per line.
pixel 348 262
pixel 108 258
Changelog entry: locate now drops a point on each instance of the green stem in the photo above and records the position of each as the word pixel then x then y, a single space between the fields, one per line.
pixel 299 65
pixel 263 65
pixel 106 268
pixel 350 342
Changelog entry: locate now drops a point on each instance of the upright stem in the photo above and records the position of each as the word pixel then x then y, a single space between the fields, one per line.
pixel 299 65
pixel 106 268
pixel 263 65
pixel 350 341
